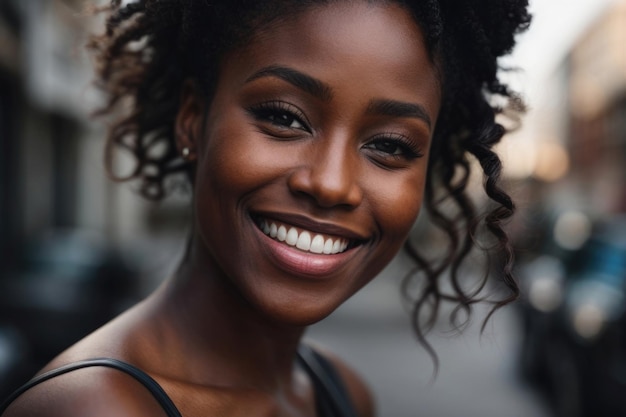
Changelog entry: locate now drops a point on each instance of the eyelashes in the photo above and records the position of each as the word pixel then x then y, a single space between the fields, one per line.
pixel 394 145
pixel 285 121
pixel 281 115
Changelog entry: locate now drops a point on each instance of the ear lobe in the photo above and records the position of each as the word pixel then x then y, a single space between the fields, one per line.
pixel 188 122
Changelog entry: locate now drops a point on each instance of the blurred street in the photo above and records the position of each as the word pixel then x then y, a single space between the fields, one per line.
pixel 477 375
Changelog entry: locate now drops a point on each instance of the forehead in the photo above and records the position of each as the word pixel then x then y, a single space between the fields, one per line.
pixel 374 43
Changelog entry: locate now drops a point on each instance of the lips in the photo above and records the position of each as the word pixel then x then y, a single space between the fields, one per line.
pixel 305 240
pixel 305 247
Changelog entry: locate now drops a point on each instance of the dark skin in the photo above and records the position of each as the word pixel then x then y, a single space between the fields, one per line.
pixel 322 124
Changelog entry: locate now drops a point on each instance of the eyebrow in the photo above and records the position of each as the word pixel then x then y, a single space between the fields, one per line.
pixel 303 81
pixel 324 92
pixel 399 109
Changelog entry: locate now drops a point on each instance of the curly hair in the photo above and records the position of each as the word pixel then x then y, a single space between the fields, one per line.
pixel 149 50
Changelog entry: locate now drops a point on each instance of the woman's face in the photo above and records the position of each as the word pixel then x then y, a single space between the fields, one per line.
pixel 311 169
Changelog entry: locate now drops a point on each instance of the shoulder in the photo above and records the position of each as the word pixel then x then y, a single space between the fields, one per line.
pixel 359 392
pixel 94 391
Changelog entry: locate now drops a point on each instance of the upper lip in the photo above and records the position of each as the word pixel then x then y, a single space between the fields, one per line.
pixel 313 225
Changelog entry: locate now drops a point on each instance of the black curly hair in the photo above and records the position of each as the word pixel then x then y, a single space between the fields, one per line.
pixel 150 49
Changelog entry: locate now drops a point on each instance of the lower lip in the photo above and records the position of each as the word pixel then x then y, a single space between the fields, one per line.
pixel 302 263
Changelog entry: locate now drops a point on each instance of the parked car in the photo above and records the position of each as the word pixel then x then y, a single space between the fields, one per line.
pixel 573 314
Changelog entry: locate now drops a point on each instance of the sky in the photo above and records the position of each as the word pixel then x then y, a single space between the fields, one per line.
pixel 556 25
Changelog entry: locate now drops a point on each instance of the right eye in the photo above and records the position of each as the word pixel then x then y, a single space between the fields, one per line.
pixel 280 115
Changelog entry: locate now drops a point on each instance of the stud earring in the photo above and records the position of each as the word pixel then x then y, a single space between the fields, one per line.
pixel 186 152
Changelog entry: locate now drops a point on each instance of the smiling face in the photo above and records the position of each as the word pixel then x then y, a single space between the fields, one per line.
pixel 311 169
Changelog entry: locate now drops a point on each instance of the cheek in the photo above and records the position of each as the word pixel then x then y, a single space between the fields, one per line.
pixel 394 206
pixel 234 160
pixel 222 178
pixel 397 205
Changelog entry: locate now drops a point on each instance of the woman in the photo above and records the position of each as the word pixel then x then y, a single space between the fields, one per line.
pixel 312 131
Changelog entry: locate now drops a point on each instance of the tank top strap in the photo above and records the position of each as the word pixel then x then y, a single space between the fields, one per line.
pixel 146 380
pixel 331 396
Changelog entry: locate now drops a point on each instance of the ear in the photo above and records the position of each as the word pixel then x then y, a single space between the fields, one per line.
pixel 188 126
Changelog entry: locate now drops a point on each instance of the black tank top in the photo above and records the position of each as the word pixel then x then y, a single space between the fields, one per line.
pixel 331 397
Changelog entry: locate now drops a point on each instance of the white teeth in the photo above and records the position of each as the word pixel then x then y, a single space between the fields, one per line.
pixel 292 237
pixel 282 233
pixel 317 245
pixel 328 246
pixel 303 240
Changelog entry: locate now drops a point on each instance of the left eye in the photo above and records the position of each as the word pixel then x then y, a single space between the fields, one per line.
pixel 395 147
pixel 388 146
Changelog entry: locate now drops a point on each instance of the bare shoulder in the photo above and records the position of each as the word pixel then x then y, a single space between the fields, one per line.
pixel 359 391
pixel 96 391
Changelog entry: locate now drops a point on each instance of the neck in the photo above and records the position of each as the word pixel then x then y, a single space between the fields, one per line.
pixel 214 328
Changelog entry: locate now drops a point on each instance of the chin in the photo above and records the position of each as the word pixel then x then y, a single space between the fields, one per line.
pixel 297 311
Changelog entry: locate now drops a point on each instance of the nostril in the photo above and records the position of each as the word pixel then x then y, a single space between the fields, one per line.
pixel 328 188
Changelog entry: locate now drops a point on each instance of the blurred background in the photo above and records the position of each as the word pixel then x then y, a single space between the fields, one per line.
pixel 77 249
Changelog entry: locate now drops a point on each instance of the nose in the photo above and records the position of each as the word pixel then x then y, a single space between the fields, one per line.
pixel 329 176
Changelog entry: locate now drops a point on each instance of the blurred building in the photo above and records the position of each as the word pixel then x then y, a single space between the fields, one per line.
pixel 52 174
pixel 571 153
pixel 597 111
pixel 43 123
